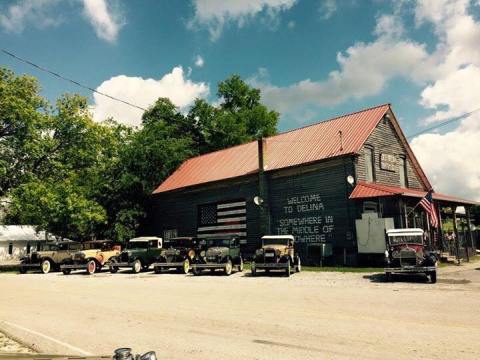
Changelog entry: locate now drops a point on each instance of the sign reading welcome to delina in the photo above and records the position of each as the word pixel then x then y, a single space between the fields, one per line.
pixel 305 217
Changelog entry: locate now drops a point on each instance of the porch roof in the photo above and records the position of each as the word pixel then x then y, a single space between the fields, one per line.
pixel 364 190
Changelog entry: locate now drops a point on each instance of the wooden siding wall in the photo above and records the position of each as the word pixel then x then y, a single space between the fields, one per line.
pixel 316 194
pixel 384 139
pixel 311 203
pixel 179 209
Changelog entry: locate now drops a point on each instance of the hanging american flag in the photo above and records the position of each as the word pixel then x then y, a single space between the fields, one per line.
pixel 223 218
pixel 427 204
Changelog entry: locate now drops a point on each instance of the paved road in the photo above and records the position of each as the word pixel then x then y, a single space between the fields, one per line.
pixel 307 316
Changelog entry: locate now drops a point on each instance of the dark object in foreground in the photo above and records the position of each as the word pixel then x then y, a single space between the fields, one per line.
pixel 222 252
pixel 277 253
pixel 406 254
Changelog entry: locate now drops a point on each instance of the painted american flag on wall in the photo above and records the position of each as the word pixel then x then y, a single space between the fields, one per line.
pixel 229 218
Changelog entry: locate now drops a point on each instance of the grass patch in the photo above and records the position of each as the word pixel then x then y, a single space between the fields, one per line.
pixel 334 269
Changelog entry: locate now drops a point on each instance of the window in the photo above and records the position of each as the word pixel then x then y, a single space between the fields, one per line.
pixel 402 164
pixel 170 234
pixel 369 164
pixel 10 248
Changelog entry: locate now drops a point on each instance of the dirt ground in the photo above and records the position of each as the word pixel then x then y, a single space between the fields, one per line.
pixel 307 316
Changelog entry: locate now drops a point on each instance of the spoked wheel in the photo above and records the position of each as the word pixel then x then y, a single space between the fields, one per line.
pixel 46 266
pixel 112 267
pixel 288 269
pixel 240 265
pixel 433 277
pixel 186 266
pixel 157 270
pixel 91 267
pixel 196 271
pixel 66 271
pixel 137 266
pixel 253 269
pixel 228 267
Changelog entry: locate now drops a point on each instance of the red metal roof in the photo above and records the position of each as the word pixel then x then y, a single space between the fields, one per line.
pixel 308 144
pixel 365 190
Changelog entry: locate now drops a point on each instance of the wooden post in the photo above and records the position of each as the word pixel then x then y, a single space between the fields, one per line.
pixel 440 226
pixel 455 231
pixel 469 231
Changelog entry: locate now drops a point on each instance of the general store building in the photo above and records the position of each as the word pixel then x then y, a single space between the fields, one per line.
pixel 335 185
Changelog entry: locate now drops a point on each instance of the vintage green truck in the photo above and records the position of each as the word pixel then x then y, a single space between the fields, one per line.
pixel 94 255
pixel 219 252
pixel 50 257
pixel 178 253
pixel 140 253
pixel 277 253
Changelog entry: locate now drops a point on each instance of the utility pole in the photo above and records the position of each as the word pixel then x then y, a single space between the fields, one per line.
pixel 265 227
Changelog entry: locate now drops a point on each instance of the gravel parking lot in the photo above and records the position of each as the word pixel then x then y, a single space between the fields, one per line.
pixel 309 315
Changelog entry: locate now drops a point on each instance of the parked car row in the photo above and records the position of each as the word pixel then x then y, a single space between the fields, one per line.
pixel 184 254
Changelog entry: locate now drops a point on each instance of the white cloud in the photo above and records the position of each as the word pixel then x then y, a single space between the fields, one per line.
pixel 105 18
pixel 143 92
pixel 291 24
pixel 328 8
pixel 199 62
pixel 17 16
pixel 451 160
pixel 364 71
pixel 215 14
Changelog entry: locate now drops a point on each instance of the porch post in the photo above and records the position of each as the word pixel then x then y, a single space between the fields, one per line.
pixel 455 231
pixel 469 231
pixel 440 227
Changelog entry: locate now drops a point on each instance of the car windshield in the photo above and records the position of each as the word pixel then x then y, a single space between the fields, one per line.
pixel 48 247
pixel 137 245
pixel 180 243
pixel 276 241
pixel 218 242
pixel 90 246
pixel 405 239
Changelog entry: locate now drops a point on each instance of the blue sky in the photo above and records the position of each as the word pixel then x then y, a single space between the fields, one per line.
pixel 312 59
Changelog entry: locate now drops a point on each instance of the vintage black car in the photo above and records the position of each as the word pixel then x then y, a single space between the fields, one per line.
pixel 406 254
pixel 219 252
pixel 177 253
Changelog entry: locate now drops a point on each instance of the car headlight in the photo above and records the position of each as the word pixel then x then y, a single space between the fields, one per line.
pixel 202 254
pixel 386 253
pixel 259 252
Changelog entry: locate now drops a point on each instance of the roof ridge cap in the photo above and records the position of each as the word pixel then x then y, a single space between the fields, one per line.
pixel 330 119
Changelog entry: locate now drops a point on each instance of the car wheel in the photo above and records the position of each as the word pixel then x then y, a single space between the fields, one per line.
pixel 157 270
pixel 288 270
pixel 433 277
pixel 253 269
pixel 186 266
pixel 137 266
pixel 46 266
pixel 91 267
pixel 228 267
pixel 388 277
pixel 299 264
pixel 112 267
pixel 22 270
pixel 240 265
pixel 196 271
pixel 66 271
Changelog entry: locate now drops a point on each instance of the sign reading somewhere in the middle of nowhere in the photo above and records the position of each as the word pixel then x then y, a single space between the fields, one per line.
pixel 305 218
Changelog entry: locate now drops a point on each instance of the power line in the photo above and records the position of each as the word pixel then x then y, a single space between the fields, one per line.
pixel 443 123
pixel 41 68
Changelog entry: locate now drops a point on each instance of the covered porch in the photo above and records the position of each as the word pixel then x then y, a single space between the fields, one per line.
pixel 454 244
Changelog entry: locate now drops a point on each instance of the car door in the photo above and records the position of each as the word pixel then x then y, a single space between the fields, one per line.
pixel 152 251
